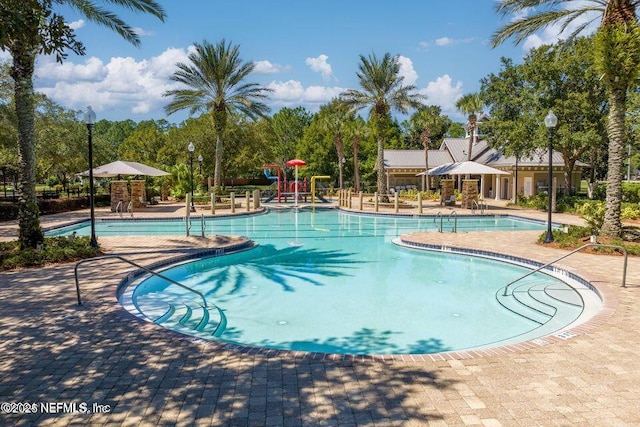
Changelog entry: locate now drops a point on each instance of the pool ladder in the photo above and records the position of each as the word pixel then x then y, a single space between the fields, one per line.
pixel 478 206
pixel 120 209
pixel 189 224
pixel 451 215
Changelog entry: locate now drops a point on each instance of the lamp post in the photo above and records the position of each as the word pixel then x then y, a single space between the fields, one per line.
pixel 191 150
pixel 200 163
pixel 89 120
pixel 550 121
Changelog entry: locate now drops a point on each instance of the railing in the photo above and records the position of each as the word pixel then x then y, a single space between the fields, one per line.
pixel 189 224
pixel 478 206
pixel 204 300
pixel 624 268
pixel 438 215
pixel 455 221
pixel 120 208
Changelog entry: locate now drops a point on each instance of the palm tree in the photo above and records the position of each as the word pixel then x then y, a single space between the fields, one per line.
pixel 470 104
pixel 28 29
pixel 429 124
pixel 617 58
pixel 357 129
pixel 382 90
pixel 214 83
pixel 333 119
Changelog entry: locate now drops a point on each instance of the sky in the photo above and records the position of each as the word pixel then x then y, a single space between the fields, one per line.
pixel 306 51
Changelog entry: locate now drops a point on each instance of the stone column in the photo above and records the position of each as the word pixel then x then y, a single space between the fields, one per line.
pixel 469 192
pixel 119 193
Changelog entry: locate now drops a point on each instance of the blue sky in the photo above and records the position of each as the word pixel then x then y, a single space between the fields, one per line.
pixel 306 51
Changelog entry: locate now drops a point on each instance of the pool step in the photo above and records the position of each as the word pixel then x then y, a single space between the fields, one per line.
pixel 539 300
pixel 172 312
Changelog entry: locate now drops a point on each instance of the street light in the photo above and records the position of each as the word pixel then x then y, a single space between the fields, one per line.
pixel 191 150
pixel 89 120
pixel 550 122
pixel 200 163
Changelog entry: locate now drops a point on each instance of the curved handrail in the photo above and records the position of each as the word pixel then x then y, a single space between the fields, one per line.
pixel 455 220
pixel 119 207
pixel 438 214
pixel 204 300
pixel 624 268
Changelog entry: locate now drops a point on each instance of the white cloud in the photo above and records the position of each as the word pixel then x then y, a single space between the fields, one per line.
pixel 75 25
pixel 266 67
pixel 407 71
pixel 444 93
pixel 122 84
pixel 320 65
pixel 142 32
pixel 292 92
pixel 444 41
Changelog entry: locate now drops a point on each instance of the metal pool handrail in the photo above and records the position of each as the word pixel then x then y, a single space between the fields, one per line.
pixel 455 220
pixel 204 300
pixel 439 214
pixel 624 268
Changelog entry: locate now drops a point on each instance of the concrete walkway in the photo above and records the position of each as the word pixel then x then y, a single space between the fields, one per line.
pixel 62 357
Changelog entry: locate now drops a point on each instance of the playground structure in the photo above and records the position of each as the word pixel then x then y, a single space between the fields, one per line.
pixel 298 190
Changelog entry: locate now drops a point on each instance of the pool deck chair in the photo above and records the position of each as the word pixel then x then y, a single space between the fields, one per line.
pixel 451 201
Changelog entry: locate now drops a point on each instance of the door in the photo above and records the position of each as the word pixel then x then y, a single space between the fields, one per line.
pixel 528 186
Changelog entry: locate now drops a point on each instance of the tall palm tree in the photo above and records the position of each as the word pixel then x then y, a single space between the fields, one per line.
pixel 215 84
pixel 618 59
pixel 470 104
pixel 357 129
pixel 382 91
pixel 333 120
pixel 30 28
pixel 429 124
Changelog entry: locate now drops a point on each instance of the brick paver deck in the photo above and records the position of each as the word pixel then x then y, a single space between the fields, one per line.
pixel 54 353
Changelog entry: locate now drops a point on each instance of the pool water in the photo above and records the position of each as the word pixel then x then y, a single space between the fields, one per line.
pixel 331 282
pixel 303 223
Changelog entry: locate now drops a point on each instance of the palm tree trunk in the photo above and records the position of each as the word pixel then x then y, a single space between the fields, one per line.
pixel 470 147
pixel 340 150
pixel 30 233
pixel 219 124
pixel 381 182
pixel 616 129
pixel 217 172
pixel 356 172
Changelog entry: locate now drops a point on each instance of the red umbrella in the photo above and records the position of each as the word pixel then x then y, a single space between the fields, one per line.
pixel 296 163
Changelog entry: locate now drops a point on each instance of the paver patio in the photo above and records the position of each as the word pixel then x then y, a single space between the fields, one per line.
pixel 53 352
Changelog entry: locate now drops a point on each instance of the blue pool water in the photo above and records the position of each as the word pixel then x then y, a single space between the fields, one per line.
pixel 285 224
pixel 333 282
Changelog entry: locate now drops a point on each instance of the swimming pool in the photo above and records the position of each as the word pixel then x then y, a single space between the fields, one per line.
pixel 278 224
pixel 333 282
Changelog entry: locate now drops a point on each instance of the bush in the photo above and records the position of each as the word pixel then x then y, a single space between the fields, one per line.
pixel 56 250
pixel 592 212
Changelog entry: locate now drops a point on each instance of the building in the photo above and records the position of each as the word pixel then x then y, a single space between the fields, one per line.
pixel 528 175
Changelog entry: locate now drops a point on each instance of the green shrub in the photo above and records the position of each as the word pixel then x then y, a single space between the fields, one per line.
pixel 56 250
pixel 592 211
pixel 630 211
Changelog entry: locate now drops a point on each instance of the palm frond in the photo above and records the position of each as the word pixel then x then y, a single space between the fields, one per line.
pixel 110 20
